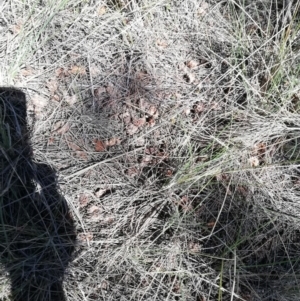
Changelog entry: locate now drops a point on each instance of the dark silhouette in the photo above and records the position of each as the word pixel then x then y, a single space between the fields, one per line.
pixel 36 230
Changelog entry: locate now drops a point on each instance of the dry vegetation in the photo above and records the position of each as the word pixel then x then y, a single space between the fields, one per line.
pixel 174 127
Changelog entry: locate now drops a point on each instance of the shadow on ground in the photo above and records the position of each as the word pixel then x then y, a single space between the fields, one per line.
pixel 36 230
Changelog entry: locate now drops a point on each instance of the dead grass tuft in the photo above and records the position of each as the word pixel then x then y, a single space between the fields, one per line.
pixel 174 126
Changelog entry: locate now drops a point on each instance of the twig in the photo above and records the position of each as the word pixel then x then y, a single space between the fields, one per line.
pixel 81 171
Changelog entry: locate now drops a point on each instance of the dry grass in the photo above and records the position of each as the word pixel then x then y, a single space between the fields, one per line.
pixel 174 128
